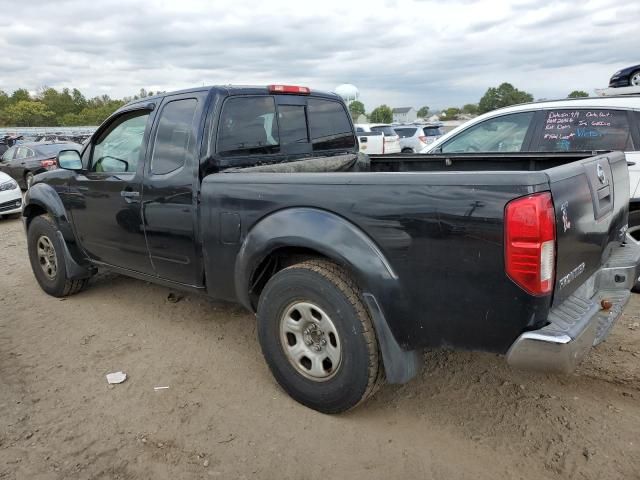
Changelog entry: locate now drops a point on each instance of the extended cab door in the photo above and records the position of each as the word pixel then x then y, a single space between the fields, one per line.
pixel 106 195
pixel 170 192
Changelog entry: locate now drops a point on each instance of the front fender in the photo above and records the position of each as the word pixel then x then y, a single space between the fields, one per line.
pixel 346 244
pixel 43 198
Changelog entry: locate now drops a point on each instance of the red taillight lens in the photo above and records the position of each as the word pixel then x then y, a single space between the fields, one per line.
pixel 289 89
pixel 530 242
pixel 423 139
pixel 49 163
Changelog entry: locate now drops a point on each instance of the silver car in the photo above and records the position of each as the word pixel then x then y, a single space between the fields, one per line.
pixel 413 138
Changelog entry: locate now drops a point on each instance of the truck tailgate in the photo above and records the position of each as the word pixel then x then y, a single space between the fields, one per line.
pixel 591 199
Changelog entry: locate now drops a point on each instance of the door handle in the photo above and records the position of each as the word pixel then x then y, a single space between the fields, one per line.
pixel 128 194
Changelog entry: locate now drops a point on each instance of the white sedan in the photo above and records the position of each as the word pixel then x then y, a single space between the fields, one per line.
pixel 10 196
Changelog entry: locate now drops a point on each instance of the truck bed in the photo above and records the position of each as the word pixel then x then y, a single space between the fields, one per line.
pixel 441 230
pixel 464 162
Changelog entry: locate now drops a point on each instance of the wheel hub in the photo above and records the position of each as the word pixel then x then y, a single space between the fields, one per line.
pixel 310 341
pixel 47 256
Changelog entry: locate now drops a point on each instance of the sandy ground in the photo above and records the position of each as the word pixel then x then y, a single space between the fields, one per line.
pixel 467 415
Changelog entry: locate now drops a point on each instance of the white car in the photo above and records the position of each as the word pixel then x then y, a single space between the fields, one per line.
pixel 10 196
pixel 581 124
pixel 391 141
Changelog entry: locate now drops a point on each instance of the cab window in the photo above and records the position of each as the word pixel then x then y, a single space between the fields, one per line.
pixel 117 148
pixel 173 136
pixel 501 134
pixel 248 127
pixel 329 125
pixel 583 129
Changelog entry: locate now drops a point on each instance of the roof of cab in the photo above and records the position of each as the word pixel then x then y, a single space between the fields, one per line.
pixel 228 90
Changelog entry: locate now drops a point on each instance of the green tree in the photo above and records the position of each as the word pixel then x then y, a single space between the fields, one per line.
pixel 423 112
pixel 19 95
pixel 4 100
pixel 356 108
pixel 470 109
pixel 503 96
pixel 27 113
pixel 381 114
pixel 578 94
pixel 450 113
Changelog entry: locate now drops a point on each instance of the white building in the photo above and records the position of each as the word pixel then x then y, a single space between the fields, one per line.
pixel 404 115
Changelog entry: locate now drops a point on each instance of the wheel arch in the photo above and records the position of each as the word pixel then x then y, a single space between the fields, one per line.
pixel 292 235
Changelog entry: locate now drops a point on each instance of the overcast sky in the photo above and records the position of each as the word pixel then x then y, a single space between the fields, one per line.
pixel 400 53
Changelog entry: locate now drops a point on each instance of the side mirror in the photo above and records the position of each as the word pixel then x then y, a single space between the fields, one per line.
pixel 69 160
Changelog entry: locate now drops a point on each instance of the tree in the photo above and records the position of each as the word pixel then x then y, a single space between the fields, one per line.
pixel 19 95
pixel 578 94
pixel 470 109
pixel 423 112
pixel 356 108
pixel 381 114
pixel 450 113
pixel 503 96
pixel 27 113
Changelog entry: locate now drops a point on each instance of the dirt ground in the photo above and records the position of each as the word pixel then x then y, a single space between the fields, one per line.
pixel 467 415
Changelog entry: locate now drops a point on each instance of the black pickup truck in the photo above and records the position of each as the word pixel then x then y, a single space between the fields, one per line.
pixel 352 265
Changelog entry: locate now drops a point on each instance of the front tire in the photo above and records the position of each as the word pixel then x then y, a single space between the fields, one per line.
pixel 46 255
pixel 317 337
pixel 634 79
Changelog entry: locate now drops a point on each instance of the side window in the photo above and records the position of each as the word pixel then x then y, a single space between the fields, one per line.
pixel 117 149
pixel 22 152
pixel 329 125
pixel 8 155
pixel 500 134
pixel 173 136
pixel 247 127
pixel 593 129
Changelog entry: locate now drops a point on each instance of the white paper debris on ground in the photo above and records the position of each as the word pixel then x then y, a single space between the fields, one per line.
pixel 160 388
pixel 116 377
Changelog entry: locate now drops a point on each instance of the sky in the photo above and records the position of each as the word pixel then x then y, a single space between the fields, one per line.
pixel 401 53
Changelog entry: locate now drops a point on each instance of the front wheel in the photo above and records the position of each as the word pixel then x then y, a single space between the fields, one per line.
pixel 46 256
pixel 634 79
pixel 317 337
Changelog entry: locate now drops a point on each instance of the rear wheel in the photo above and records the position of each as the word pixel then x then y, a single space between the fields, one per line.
pixel 47 259
pixel 407 150
pixel 317 337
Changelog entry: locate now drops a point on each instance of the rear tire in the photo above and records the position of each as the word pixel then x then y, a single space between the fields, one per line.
pixel 317 337
pixel 408 150
pixel 46 255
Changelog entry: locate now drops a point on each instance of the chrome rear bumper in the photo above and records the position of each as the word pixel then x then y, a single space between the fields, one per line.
pixel 582 320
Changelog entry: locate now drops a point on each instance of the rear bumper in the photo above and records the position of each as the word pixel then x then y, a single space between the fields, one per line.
pixel 581 321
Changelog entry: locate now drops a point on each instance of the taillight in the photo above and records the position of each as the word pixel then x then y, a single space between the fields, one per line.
pixel 422 138
pixel 530 242
pixel 289 89
pixel 50 163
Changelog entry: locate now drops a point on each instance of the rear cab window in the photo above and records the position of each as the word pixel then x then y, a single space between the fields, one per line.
pixel 583 129
pixel 270 125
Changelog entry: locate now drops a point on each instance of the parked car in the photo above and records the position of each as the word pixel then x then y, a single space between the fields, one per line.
pixel 568 125
pixel 352 264
pixel 627 77
pixel 10 196
pixel 23 161
pixel 414 138
pixel 370 143
pixel 390 142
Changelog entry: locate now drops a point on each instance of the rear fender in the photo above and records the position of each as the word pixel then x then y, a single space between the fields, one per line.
pixel 341 241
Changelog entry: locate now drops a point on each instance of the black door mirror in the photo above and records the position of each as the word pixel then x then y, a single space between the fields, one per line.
pixel 69 160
